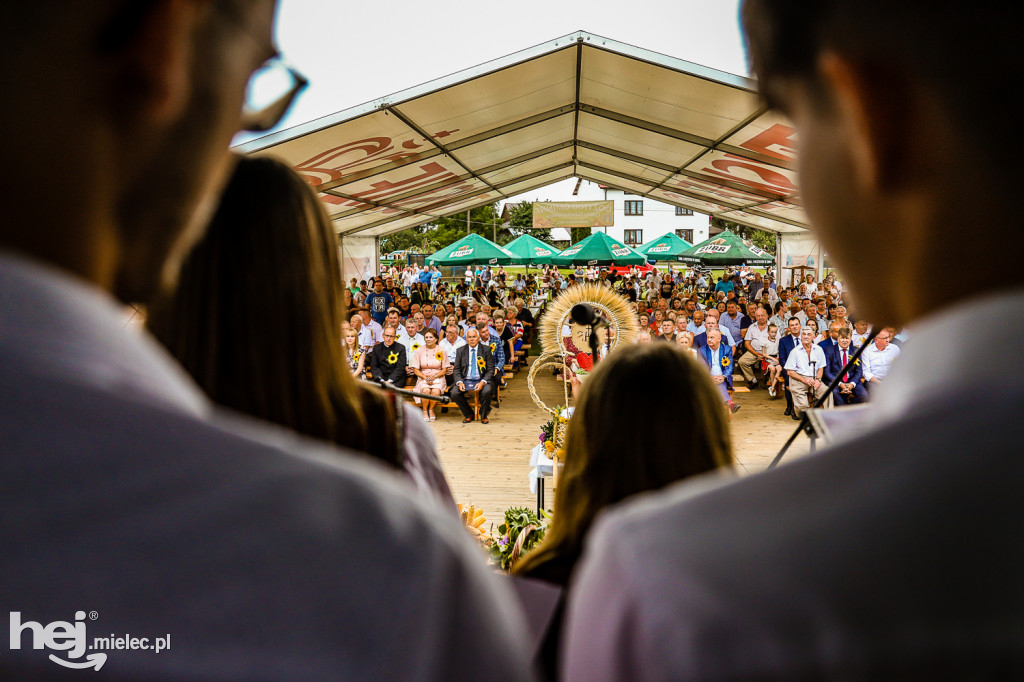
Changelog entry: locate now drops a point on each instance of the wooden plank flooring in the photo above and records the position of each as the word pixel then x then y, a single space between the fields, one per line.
pixel 488 465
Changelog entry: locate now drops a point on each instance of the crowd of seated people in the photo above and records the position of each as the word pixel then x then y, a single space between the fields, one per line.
pixel 791 341
pixel 402 347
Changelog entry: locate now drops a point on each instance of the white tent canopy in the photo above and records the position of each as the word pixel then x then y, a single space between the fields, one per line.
pixel 580 105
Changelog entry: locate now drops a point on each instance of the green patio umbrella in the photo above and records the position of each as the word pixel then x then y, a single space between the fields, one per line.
pixel 599 249
pixel 531 251
pixel 472 250
pixel 665 247
pixel 726 249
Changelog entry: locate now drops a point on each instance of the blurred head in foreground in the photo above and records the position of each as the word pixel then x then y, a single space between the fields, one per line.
pixel 607 461
pixel 257 316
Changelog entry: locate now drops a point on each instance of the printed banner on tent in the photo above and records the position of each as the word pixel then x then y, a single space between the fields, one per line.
pixel 464 251
pixel 548 214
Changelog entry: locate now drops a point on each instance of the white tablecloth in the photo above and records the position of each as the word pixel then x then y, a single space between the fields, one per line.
pixel 541 466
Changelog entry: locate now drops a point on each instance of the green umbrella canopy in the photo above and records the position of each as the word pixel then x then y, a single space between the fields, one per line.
pixel 665 247
pixel 726 249
pixel 599 249
pixel 529 250
pixel 472 250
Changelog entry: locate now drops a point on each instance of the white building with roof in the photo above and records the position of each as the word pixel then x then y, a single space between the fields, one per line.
pixel 640 219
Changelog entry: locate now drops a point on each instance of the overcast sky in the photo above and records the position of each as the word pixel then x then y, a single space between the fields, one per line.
pixel 354 52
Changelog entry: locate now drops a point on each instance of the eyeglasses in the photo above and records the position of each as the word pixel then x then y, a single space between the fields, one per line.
pixel 271 91
pixel 272 88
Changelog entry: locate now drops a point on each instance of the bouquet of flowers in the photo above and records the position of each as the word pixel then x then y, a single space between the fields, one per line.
pixel 521 532
pixel 552 432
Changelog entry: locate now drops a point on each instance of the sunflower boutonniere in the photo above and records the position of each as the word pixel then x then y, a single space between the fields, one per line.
pixel 725 361
pixel 356 355
pixel 493 346
pixel 481 363
pixel 439 356
pixel 392 358
pixel 415 347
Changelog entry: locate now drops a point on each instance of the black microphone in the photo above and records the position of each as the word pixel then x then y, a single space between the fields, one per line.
pixel 586 314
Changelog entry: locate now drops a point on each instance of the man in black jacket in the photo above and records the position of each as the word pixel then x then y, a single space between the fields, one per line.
pixel 388 360
pixel 474 368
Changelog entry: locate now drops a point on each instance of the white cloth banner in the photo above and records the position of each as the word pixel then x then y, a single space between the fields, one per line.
pixel 358 257
pixel 797 248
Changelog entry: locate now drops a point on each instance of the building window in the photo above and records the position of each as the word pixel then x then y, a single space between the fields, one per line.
pixel 633 237
pixel 683 211
pixel 685 235
pixel 634 207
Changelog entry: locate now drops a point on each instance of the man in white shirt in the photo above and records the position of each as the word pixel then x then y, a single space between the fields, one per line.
pixel 410 337
pixel 878 358
pixel 893 553
pixel 805 367
pixel 451 342
pixel 128 502
pixel 364 334
pixel 861 332
pixel 754 340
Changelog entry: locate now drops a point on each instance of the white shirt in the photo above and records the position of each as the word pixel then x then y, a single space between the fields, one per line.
pixel 813 570
pixel 450 348
pixel 859 339
pixel 378 331
pixel 756 336
pixel 803 365
pixel 169 508
pixel 410 341
pixel 366 339
pixel 878 362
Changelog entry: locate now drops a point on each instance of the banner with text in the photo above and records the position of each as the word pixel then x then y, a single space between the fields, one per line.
pixel 547 214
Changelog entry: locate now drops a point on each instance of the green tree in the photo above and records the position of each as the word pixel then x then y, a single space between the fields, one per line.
pixel 761 238
pixel 521 222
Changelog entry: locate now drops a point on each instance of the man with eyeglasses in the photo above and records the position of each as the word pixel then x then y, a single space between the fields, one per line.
pixel 893 553
pixel 389 359
pixel 125 491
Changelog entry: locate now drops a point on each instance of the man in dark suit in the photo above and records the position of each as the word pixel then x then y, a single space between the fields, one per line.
pixel 388 360
pixel 718 357
pixel 474 368
pixel 850 390
pixel 786 345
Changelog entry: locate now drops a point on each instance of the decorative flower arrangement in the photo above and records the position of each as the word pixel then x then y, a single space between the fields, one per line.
pixel 521 532
pixel 392 358
pixel 547 431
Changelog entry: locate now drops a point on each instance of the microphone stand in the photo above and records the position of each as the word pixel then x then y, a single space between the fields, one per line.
pixel 805 424
pixel 443 399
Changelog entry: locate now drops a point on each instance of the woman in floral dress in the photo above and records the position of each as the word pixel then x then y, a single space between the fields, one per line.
pixel 429 365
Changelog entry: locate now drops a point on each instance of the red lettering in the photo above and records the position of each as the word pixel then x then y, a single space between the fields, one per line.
pixel 779 142
pixel 773 181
